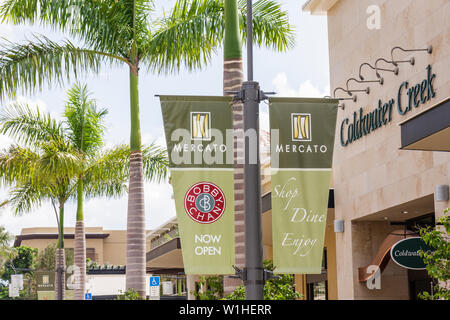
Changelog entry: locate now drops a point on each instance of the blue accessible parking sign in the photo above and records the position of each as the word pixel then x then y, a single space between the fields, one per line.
pixel 88 296
pixel 154 281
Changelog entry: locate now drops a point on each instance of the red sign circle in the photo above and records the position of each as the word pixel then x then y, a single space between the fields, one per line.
pixel 204 202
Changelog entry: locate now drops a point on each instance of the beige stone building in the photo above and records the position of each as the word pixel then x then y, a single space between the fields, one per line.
pixel 388 175
pixel 388 178
pixel 102 246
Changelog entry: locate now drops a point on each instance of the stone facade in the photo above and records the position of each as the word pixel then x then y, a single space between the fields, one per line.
pixel 374 179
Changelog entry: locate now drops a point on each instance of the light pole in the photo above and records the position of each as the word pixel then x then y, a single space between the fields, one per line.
pixel 251 95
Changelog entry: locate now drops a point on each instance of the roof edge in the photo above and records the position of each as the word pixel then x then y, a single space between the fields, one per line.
pixel 318 7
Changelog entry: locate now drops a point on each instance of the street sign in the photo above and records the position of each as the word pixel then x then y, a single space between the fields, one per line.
pixel 13 291
pixel 154 281
pixel 17 281
pixel 88 296
pixel 154 288
pixel 167 288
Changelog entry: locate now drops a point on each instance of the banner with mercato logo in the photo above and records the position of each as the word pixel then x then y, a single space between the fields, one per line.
pixel 302 140
pixel 199 135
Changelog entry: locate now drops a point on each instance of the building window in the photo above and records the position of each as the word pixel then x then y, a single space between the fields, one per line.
pixel 317 284
pixel 318 290
pixel 90 254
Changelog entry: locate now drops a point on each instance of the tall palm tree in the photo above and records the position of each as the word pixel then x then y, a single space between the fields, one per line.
pixel 42 171
pixel 85 128
pixel 233 76
pixel 85 131
pixel 94 172
pixel 118 32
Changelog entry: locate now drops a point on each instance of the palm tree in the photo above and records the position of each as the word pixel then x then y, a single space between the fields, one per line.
pixel 43 171
pixel 96 172
pixel 86 133
pixel 118 32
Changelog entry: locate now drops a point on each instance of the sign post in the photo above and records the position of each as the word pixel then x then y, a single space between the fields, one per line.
pixel 13 291
pixel 154 288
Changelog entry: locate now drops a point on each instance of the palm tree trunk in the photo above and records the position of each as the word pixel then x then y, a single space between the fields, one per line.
pixel 233 76
pixel 80 247
pixel 60 260
pixel 136 264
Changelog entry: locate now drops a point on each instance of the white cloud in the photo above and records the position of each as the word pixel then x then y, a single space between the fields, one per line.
pixel 305 89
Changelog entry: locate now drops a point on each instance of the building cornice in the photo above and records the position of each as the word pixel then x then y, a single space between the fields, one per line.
pixel 36 236
pixel 318 7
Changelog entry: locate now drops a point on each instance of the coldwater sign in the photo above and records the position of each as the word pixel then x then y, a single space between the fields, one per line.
pixel 407 97
pixel 406 253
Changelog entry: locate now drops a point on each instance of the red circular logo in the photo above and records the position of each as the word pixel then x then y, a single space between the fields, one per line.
pixel 204 202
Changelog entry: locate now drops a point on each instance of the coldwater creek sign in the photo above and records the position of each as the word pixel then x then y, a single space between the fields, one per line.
pixel 408 96
pixel 406 253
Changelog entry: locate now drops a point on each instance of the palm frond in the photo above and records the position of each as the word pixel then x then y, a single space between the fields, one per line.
pixel 83 120
pixel 25 197
pixel 187 36
pixel 107 173
pixel 98 23
pixel 29 125
pixel 270 23
pixel 155 162
pixel 42 61
pixel 191 32
pixel 59 161
pixel 17 164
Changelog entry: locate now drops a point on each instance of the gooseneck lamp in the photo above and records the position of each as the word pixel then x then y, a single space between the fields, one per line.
pixel 429 50
pixel 395 70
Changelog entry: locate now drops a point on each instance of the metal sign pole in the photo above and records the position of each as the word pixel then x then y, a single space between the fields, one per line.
pixel 253 273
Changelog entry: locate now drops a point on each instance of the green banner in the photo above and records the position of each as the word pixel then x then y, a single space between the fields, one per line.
pixel 302 140
pixel 199 135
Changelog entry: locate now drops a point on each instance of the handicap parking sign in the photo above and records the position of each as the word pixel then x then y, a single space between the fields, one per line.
pixel 154 281
pixel 88 296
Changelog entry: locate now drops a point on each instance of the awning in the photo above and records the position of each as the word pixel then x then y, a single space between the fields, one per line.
pixel 165 258
pixel 429 130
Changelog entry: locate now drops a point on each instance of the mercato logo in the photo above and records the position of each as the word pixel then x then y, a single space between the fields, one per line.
pixel 363 124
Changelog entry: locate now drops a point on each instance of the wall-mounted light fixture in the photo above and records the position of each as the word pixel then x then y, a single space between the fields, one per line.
pixel 353 97
pixel 429 50
pixel 367 90
pixel 373 68
pixel 441 192
pixel 380 81
pixel 342 106
pixel 395 70
pixel 338 226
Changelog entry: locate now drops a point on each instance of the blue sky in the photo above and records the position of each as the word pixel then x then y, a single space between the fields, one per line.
pixel 303 71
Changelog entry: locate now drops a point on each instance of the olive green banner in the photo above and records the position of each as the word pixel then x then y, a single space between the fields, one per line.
pixel 199 135
pixel 302 140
